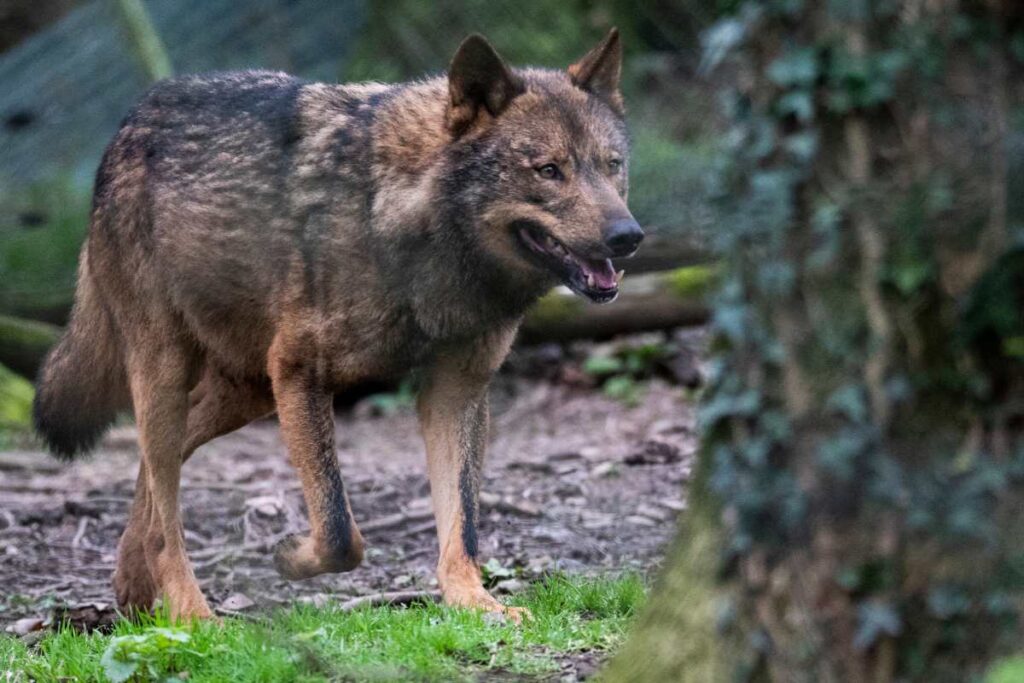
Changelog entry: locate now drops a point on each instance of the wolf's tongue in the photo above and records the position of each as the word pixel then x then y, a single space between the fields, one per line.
pixel 599 274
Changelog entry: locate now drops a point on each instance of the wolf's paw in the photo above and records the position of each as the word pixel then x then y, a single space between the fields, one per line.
pixel 134 595
pixel 187 604
pixel 134 587
pixel 477 598
pixel 296 558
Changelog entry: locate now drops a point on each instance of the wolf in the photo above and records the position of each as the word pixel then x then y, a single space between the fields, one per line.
pixel 258 242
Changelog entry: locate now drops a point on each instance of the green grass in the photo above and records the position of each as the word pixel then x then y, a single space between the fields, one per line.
pixel 422 642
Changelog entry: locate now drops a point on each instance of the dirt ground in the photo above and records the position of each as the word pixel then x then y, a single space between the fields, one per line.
pixel 574 481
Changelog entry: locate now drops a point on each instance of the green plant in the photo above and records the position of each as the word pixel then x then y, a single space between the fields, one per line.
pixel 622 370
pixel 391 403
pixel 145 655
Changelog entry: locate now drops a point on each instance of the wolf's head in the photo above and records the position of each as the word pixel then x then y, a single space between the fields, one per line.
pixel 539 161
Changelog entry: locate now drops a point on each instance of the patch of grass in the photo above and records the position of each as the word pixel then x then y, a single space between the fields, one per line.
pixel 423 642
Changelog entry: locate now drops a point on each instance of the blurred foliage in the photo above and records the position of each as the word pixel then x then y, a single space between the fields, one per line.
pixel 622 369
pixel 1009 670
pixel 402 399
pixel 39 244
pixel 16 396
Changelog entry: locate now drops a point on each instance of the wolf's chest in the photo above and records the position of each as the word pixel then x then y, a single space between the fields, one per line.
pixel 376 348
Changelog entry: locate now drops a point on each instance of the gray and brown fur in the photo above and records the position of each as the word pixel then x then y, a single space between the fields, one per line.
pixel 259 242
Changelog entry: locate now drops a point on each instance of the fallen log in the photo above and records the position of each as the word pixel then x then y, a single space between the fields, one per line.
pixel 660 253
pixel 646 302
pixel 24 343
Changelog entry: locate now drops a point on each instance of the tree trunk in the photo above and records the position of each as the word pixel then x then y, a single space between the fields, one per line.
pixel 855 515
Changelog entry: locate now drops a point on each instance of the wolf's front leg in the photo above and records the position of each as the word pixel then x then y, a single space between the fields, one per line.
pixel 305 412
pixel 454 417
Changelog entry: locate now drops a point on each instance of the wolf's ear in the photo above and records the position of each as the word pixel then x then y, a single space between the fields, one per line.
pixel 477 77
pixel 600 69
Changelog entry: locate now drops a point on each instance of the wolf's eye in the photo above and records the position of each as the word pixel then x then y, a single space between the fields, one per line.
pixel 550 172
pixel 614 166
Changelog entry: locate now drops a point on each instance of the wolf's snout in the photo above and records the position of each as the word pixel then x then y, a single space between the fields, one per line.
pixel 623 236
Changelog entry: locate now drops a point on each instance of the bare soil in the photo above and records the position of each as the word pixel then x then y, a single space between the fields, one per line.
pixel 574 481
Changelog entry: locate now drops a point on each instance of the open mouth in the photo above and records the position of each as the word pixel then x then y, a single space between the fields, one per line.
pixel 595 279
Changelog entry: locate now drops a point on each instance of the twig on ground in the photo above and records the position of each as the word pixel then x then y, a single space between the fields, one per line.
pixel 268 486
pixel 392 599
pixel 429 525
pixel 220 553
pixel 396 520
pixel 492 501
pixel 83 526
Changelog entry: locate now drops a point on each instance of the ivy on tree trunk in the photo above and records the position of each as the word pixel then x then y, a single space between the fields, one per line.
pixel 857 510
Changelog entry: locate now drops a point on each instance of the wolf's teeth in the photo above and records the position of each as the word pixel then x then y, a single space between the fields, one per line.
pixel 619 275
pixel 590 280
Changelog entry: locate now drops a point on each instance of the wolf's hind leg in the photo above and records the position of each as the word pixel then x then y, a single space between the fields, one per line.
pixel 134 586
pixel 159 382
pixel 305 411
pixel 220 405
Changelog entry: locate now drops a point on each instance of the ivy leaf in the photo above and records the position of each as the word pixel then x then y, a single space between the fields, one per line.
pixel 720 40
pixel 875 619
pixel 947 601
pixel 848 400
pixel 798 104
pixel 839 454
pixel 795 68
pixel 910 275
pixel 803 146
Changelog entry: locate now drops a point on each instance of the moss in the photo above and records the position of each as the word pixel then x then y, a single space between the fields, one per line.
pixel 553 307
pixel 677 638
pixel 16 396
pixel 693 281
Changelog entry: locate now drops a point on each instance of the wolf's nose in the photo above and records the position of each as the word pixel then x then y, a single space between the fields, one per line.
pixel 623 236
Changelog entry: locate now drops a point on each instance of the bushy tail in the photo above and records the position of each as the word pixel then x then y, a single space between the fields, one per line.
pixel 82 384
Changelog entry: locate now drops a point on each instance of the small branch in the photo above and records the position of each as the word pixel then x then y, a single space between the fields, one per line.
pixel 149 49
pixel 83 527
pixel 398 519
pixel 391 599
